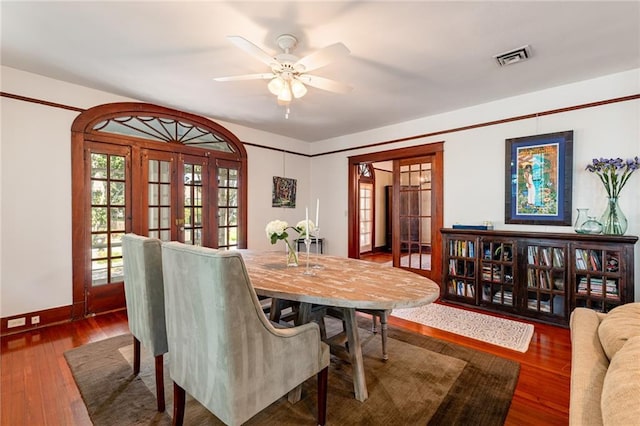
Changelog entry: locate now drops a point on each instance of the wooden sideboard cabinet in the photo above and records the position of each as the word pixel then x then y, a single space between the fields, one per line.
pixel 537 275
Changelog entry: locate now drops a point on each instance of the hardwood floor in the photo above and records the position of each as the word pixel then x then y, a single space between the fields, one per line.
pixel 37 387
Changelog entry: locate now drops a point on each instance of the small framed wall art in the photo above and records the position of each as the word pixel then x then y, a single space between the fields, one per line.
pixel 284 192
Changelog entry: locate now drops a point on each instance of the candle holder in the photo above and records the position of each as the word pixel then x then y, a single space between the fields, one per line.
pixel 317 237
pixel 307 244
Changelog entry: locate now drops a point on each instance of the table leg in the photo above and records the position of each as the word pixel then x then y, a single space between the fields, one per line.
pixel 304 315
pixel 384 316
pixel 355 353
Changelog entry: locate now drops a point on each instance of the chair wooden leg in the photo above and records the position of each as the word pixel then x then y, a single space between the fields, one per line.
pixel 160 383
pixel 322 396
pixel 136 356
pixel 178 404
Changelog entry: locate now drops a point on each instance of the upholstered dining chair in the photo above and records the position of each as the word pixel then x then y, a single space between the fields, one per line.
pixel 144 293
pixel 223 350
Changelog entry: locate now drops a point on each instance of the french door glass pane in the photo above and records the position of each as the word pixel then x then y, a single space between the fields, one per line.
pixel 193 203
pixel 108 216
pixel 227 207
pixel 159 203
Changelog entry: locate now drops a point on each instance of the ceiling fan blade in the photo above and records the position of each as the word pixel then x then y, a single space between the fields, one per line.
pixel 324 83
pixel 252 49
pixel 322 57
pixel 261 76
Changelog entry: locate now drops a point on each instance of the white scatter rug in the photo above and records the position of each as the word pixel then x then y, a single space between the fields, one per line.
pixel 497 331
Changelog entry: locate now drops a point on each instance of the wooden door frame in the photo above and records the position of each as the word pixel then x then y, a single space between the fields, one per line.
pixel 436 150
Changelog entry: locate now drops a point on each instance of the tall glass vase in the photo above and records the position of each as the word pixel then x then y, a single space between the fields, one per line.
pixel 613 220
pixel 292 255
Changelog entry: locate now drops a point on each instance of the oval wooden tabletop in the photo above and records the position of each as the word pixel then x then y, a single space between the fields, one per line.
pixel 340 282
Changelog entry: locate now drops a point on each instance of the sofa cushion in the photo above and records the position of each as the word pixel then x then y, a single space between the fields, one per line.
pixel 620 401
pixel 619 325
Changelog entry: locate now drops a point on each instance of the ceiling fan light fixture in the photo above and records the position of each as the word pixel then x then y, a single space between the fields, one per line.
pixel 298 89
pixel 285 94
pixel 276 85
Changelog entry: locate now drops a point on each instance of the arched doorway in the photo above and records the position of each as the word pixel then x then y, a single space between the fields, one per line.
pixel 153 171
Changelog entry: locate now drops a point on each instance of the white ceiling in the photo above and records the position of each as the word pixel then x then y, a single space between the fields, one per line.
pixel 408 59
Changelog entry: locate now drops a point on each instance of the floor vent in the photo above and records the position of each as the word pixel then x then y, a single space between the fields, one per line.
pixel 513 56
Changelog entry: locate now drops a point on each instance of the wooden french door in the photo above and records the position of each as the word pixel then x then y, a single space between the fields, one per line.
pixel 412 212
pixel 176 205
pixel 416 206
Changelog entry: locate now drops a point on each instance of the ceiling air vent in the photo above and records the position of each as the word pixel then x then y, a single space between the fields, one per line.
pixel 516 55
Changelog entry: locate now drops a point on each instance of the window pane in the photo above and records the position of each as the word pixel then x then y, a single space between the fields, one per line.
pixel 153 194
pixel 99 165
pixel 233 217
pixel 223 217
pixel 98 192
pixel 165 217
pixel 197 196
pixel 233 178
pixel 165 194
pixel 197 174
pixel 116 244
pixel 117 193
pixel 117 167
pixel 117 219
pixel 222 197
pixel 165 171
pixel 233 197
pixel 99 272
pixel 153 170
pixel 154 218
pixel 197 214
pixel 222 236
pixel 99 218
pixel 165 235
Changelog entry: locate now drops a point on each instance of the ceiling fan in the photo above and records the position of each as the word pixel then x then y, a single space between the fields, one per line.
pixel 289 73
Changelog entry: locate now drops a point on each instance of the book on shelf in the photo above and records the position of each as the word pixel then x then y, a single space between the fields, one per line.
pixel 478 227
pixel 503 297
pixel 558 258
pixel 462 248
pixel 594 287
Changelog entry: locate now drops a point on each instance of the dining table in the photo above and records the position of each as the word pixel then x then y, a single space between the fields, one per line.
pixel 342 284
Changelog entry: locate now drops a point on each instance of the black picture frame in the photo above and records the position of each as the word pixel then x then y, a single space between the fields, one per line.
pixel 538 182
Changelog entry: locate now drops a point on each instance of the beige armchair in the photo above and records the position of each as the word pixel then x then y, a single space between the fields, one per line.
pixel 224 351
pixel 144 293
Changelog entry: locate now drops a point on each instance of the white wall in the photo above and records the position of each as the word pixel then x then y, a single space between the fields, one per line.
pixel 474 161
pixel 35 178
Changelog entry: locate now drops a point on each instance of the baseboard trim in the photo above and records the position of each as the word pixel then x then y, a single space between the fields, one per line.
pixel 47 318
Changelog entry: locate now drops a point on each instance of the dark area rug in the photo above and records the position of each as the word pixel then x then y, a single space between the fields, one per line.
pixel 425 381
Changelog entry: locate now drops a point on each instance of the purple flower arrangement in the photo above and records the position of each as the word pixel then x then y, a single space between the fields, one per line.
pixel 614 172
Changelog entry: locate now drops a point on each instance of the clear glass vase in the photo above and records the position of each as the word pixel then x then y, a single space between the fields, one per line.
pixel 580 219
pixel 292 255
pixel 613 221
pixel 591 226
